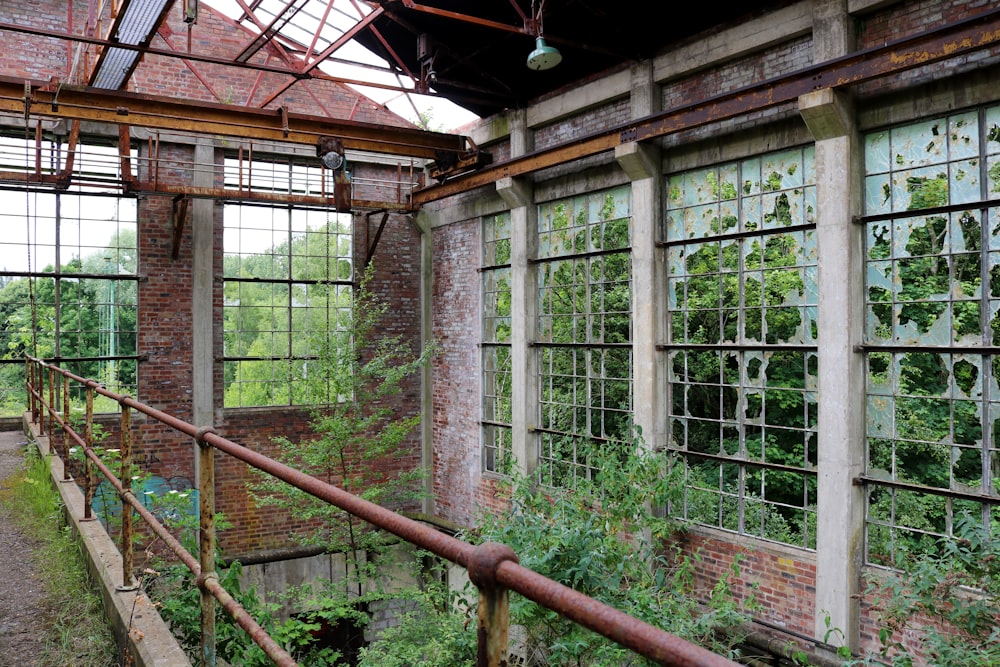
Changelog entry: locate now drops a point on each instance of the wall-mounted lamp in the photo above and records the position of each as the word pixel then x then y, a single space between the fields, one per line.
pixel 333 160
pixel 330 151
pixel 544 56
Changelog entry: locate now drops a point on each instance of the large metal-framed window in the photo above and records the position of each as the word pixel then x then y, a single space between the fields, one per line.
pixel 495 272
pixel 932 331
pixel 742 344
pixel 584 336
pixel 68 269
pixel 288 278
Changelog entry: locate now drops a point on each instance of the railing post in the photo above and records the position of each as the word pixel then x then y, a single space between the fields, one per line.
pixel 65 431
pixel 52 407
pixel 88 470
pixel 128 580
pixel 206 543
pixel 494 611
pixel 42 415
pixel 29 385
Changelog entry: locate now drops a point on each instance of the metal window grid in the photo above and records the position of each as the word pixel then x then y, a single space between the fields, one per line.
pixel 742 344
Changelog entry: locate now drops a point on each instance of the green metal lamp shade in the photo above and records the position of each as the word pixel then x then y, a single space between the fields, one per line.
pixel 544 56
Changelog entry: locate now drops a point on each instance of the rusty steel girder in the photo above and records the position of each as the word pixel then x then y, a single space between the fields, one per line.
pixel 955 40
pixel 52 100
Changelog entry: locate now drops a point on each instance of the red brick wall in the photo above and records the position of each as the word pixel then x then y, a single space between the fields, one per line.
pixel 164 325
pixel 580 125
pixel 31 56
pixel 781 578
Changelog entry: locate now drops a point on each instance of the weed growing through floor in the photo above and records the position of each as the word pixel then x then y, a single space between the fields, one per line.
pixel 77 633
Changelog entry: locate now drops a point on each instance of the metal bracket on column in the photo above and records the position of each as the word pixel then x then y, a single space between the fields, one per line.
pixel 129 180
pixel 178 213
pixel 66 174
pixel 378 235
pixel 453 163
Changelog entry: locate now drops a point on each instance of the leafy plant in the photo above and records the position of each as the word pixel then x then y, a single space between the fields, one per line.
pixel 950 600
pixel 606 538
pixel 437 632
pixel 367 370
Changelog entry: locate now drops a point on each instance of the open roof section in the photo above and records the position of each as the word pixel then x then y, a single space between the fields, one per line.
pixel 473 54
pixel 414 57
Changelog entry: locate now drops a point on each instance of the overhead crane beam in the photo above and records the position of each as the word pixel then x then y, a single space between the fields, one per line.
pixel 955 40
pixel 52 100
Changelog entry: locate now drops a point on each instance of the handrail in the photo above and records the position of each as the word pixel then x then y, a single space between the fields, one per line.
pixel 493 568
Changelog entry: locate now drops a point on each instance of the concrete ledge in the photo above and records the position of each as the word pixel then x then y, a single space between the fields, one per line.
pixel 134 620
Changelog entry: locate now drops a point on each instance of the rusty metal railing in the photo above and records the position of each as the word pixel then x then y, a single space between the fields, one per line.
pixel 492 567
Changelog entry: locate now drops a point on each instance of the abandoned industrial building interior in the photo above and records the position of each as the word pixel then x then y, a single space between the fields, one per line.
pixel 745 260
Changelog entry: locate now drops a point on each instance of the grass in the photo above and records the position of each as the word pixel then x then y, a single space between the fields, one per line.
pixel 77 634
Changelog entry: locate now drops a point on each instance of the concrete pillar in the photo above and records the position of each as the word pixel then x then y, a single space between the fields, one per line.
pixel 202 293
pixel 833 30
pixel 518 195
pixel 840 504
pixel 423 222
pixel 641 162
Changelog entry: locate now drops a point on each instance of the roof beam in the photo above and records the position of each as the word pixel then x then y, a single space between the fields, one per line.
pixel 268 33
pixel 164 113
pixel 309 67
pixel 262 67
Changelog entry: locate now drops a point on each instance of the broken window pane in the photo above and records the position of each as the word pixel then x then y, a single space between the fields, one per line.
pixel 584 294
pixel 750 294
pixel 496 356
pixel 927 408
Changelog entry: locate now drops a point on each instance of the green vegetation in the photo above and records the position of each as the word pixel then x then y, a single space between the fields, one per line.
pixel 727 296
pixel 283 305
pixel 602 538
pixel 368 370
pixel 97 318
pixel 77 633
pixel 606 538
pixel 940 609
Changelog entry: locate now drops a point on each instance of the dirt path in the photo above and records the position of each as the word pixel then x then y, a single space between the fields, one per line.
pixel 21 592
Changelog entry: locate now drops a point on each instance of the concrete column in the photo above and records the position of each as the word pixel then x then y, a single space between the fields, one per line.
pixel 642 164
pixel 202 290
pixel 518 195
pixel 840 504
pixel 833 30
pixel 424 223
pixel 202 302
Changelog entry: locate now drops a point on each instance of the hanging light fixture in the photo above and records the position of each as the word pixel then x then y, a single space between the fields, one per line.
pixel 544 56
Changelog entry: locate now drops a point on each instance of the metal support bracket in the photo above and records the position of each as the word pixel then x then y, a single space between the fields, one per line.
pixel 178 214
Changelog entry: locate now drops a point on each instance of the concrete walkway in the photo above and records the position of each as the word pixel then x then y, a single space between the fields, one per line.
pixel 22 595
pixel 133 617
